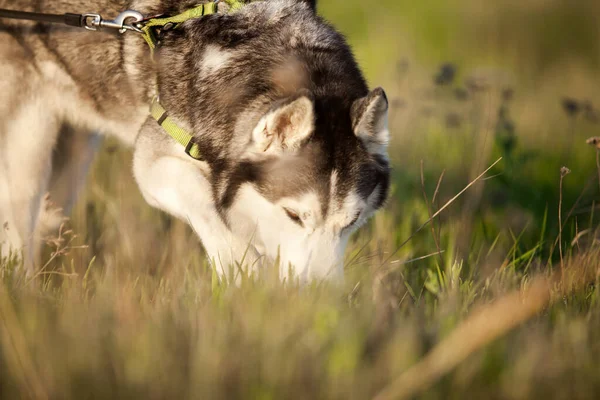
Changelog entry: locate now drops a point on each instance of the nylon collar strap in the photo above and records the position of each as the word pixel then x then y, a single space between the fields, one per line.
pixel 182 136
pixel 157 111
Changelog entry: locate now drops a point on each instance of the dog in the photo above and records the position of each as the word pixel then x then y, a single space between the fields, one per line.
pixel 293 144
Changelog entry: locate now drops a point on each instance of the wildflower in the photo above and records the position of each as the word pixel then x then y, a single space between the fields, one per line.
pixel 446 74
pixel 571 106
pixel 594 141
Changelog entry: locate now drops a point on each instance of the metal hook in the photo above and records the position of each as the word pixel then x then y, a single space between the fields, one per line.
pixel 94 21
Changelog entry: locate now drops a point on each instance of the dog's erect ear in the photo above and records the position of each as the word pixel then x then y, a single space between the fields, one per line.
pixel 369 121
pixel 286 127
pixel 311 3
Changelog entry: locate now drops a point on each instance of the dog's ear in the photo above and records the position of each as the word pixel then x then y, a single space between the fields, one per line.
pixel 286 127
pixel 369 121
pixel 311 3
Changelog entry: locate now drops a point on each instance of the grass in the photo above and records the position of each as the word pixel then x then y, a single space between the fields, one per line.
pixel 490 294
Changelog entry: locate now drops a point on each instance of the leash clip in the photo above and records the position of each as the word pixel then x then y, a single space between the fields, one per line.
pixel 93 22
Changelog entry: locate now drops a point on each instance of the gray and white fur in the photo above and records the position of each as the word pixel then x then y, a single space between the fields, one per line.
pixel 294 144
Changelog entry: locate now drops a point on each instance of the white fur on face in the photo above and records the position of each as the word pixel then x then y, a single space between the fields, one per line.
pixel 258 229
pixel 307 207
pixel 315 247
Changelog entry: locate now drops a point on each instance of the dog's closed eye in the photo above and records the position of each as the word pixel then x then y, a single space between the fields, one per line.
pixel 353 221
pixel 294 216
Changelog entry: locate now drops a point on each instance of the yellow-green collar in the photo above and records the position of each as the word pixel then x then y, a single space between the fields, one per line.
pixel 148 29
pixel 181 135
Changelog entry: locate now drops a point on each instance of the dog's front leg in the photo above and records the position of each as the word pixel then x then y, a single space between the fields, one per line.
pixel 27 137
pixel 176 184
pixel 72 157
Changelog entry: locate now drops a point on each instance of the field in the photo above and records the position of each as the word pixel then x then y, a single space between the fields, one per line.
pixel 466 285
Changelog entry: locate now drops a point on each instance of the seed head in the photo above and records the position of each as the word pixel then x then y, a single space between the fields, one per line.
pixel 446 74
pixel 564 171
pixel 594 141
pixel 571 106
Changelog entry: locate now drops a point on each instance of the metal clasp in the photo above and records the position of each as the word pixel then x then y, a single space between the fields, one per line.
pixel 93 22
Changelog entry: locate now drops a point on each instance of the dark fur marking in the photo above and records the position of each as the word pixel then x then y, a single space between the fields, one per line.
pixel 44 34
pixel 17 34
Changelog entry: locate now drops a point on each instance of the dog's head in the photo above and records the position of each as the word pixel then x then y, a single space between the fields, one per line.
pixel 295 143
pixel 313 171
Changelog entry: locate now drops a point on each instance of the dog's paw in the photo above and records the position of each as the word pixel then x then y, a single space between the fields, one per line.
pixel 51 215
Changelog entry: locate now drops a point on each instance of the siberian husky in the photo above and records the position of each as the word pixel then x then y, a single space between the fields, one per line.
pixel 293 144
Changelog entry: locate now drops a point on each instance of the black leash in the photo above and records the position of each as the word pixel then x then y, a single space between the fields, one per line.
pixel 67 19
pixel 90 22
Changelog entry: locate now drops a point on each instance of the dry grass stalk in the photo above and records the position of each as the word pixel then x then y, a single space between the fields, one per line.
pixel 17 355
pixel 571 212
pixel 564 171
pixel 62 245
pixel 436 236
pixel 433 201
pixel 484 325
pixel 439 211
pixel 595 141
